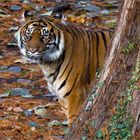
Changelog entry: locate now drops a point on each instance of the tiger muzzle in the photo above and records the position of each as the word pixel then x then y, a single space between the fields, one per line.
pixel 35 47
pixel 33 50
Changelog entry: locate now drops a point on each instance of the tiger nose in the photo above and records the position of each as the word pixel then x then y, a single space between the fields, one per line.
pixel 33 50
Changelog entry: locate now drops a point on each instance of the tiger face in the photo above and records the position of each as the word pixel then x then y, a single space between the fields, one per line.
pixel 40 41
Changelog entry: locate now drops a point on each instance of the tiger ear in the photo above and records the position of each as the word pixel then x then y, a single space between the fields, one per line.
pixel 26 16
pixel 58 17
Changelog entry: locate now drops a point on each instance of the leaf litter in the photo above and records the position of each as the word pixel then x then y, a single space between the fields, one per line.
pixel 28 110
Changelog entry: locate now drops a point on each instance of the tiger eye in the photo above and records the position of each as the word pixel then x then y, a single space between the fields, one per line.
pixel 28 31
pixel 44 31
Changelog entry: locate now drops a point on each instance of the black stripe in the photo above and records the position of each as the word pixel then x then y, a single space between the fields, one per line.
pixel 58 37
pixel 97 47
pixel 74 31
pixel 48 23
pixel 83 44
pixel 22 43
pixel 90 44
pixel 54 37
pixel 89 38
pixel 52 30
pixel 68 93
pixel 67 28
pixel 51 74
pixel 104 38
pixel 83 31
pixel 64 82
pixel 26 27
pixel 58 68
pixel 56 72
pixel 33 27
pixel 43 24
pixel 81 35
pixel 65 68
pixel 110 34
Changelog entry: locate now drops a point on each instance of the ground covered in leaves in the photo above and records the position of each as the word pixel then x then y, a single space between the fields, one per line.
pixel 27 110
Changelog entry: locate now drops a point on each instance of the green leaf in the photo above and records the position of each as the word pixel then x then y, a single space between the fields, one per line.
pixel 120 126
pixel 130 98
pixel 100 84
pixel 66 131
pixel 90 98
pixel 84 138
pixel 54 123
pixel 93 123
pixel 99 134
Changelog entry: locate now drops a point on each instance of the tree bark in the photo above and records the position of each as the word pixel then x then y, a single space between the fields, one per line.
pixel 114 77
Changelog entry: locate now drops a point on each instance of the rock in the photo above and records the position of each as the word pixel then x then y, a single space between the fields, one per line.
pixel 3 67
pixel 15 8
pixel 65 123
pixel 27 96
pixel 26 81
pixel 28 113
pixel 33 124
pixel 91 8
pixel 25 1
pixel 105 12
pixel 40 110
pixel 19 92
pixel 14 69
pixel 2 12
pixel 113 2
pixel 54 123
pixel 1 56
pixel 4 95
pixel 12 80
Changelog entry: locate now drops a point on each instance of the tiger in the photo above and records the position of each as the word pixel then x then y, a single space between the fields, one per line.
pixel 69 57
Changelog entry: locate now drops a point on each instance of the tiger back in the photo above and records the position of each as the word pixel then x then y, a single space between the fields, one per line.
pixel 69 57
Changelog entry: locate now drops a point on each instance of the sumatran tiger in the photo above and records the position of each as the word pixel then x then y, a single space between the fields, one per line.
pixel 69 57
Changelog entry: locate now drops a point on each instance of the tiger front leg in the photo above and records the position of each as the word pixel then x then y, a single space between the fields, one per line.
pixel 64 106
pixel 74 103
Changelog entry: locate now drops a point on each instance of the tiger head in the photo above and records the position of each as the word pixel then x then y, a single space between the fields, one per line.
pixel 40 41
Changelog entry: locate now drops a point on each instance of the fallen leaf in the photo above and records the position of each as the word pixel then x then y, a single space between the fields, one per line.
pixel 17 109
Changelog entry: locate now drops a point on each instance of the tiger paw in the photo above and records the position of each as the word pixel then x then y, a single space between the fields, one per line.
pixel 22 60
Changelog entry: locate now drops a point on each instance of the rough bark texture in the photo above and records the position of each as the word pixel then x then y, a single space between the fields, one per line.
pixel 115 75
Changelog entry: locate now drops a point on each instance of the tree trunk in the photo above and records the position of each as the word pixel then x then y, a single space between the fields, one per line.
pixel 114 81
